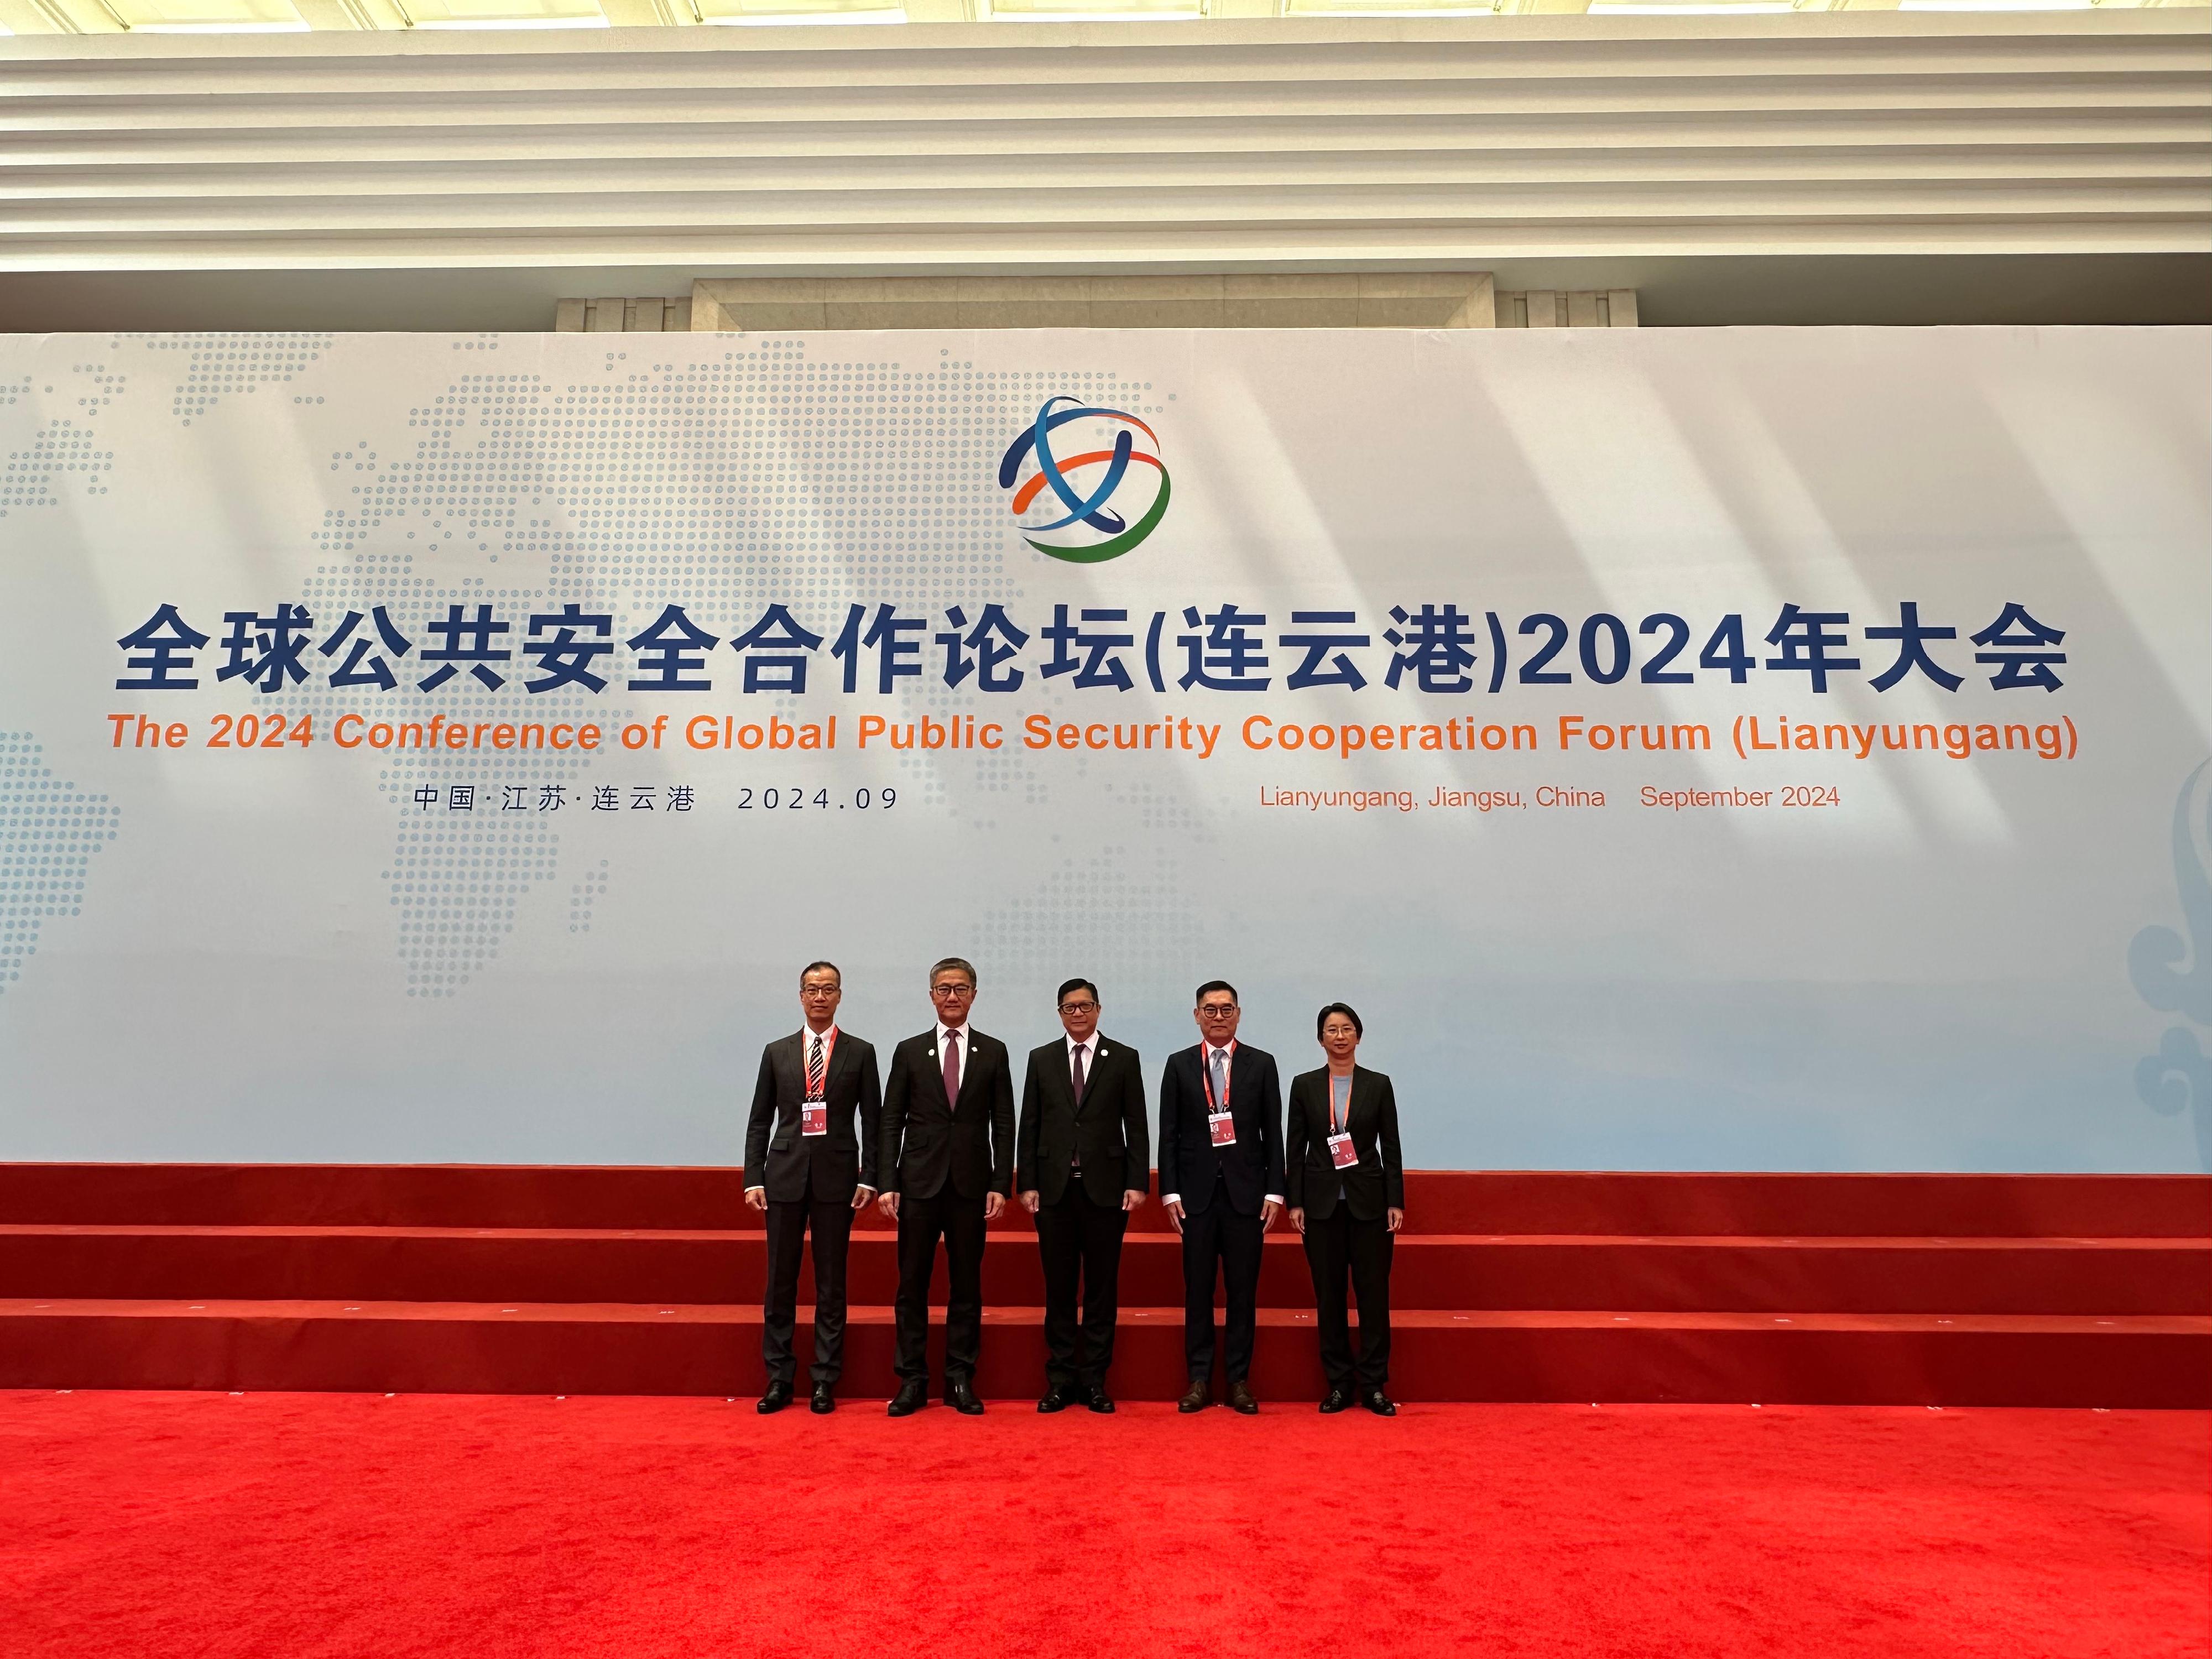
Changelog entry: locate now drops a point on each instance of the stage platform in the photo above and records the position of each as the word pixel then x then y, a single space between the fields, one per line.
pixel 1873 1288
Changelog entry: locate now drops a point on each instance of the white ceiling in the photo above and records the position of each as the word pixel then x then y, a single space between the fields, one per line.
pixel 1216 146
pixel 1580 147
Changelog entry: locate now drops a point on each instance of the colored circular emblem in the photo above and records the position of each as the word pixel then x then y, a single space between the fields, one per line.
pixel 1089 506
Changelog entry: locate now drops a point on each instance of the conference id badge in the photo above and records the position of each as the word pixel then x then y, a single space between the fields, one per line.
pixel 1341 1153
pixel 814 1118
pixel 1223 1128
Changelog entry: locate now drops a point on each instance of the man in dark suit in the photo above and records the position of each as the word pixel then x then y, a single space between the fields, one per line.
pixel 947 1163
pixel 1085 1163
pixel 1221 1180
pixel 806 1167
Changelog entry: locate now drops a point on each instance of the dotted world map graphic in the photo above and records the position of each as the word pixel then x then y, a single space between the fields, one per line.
pixel 722 476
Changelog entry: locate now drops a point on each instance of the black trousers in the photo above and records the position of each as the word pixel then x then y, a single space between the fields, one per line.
pixel 921 1222
pixel 1339 1245
pixel 1080 1241
pixel 1222 1235
pixel 787 1225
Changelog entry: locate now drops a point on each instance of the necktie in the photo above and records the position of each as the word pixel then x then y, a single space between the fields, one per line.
pixel 814 1070
pixel 1220 1079
pixel 1076 1077
pixel 951 1047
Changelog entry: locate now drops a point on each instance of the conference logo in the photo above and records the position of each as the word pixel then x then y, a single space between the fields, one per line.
pixel 1092 504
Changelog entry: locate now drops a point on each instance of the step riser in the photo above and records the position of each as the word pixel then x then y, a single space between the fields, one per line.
pixel 552 1357
pixel 1751 1276
pixel 1438 1201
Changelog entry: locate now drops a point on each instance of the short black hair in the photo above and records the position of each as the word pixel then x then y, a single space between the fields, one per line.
pixel 1343 1008
pixel 1076 985
pixel 1213 985
pixel 815 968
pixel 959 965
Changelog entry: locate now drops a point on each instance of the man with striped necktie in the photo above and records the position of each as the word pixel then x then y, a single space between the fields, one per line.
pixel 807 1166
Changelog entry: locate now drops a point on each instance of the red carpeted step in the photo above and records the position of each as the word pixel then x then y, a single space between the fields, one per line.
pixel 1556 1202
pixel 584 1348
pixel 1779 1275
pixel 2033 1290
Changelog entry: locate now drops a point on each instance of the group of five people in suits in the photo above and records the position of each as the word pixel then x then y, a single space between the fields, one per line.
pixel 935 1143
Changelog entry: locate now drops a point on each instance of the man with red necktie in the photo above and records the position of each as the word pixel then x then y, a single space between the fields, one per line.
pixel 947 1165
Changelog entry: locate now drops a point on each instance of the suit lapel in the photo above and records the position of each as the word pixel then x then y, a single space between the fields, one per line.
pixel 932 1061
pixel 839 1058
pixel 1103 1055
pixel 1363 1091
pixel 794 1056
pixel 1067 1081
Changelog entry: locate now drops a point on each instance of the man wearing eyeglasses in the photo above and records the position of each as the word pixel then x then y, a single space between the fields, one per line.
pixel 1084 1164
pixel 947 1163
pixel 1221 1182
pixel 806 1167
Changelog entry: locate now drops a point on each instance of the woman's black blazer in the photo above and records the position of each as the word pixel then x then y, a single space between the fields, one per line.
pixel 1377 1182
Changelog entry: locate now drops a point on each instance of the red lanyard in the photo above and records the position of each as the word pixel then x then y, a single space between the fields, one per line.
pixel 1228 1076
pixel 1334 1128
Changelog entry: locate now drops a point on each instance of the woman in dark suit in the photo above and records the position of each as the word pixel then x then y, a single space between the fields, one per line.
pixel 1346 1186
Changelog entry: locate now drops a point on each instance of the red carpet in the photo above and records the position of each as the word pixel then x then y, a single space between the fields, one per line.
pixel 170 1526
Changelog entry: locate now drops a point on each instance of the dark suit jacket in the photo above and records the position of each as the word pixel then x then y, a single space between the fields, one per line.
pixel 836 1162
pixel 925 1145
pixel 1108 1129
pixel 1377 1182
pixel 1253 1168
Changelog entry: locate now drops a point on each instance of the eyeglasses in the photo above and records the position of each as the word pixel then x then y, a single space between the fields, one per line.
pixel 1216 1010
pixel 953 993
pixel 1079 1007
pixel 819 990
pixel 1339 1032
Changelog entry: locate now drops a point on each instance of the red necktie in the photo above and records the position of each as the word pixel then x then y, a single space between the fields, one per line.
pixel 951 1046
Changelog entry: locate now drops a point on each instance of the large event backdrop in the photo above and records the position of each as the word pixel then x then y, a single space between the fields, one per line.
pixel 1733 750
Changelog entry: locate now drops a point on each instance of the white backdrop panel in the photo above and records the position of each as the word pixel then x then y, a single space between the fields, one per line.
pixel 1599 907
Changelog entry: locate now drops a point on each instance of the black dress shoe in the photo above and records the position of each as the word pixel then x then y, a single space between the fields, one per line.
pixel 1336 1400
pixel 909 1399
pixel 1096 1400
pixel 961 1397
pixel 777 1397
pixel 1241 1400
pixel 824 1402
pixel 1379 1402
pixel 1054 1400
pixel 1193 1398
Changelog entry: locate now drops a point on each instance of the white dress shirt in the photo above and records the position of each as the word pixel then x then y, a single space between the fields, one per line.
pixel 1205 1054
